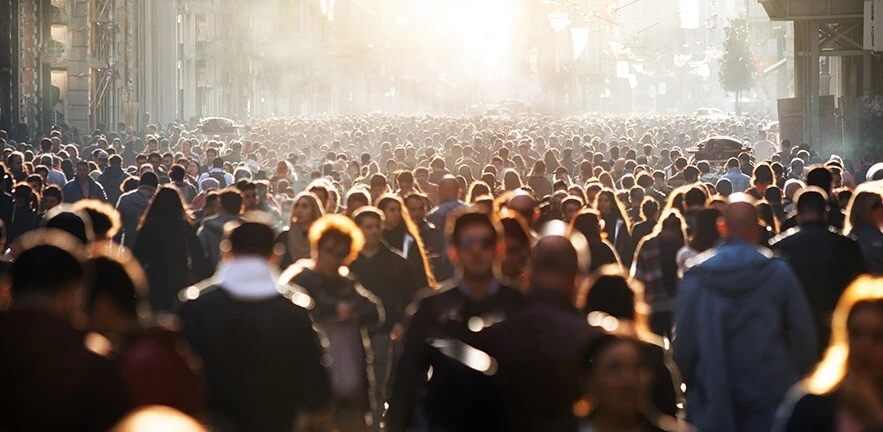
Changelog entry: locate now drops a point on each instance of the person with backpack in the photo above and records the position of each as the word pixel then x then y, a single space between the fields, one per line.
pixel 217 172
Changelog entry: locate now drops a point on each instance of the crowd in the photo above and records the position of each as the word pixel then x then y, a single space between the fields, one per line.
pixel 532 273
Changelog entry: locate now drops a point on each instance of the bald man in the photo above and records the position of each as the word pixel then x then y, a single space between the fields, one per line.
pixel 448 203
pixel 744 330
pixel 538 347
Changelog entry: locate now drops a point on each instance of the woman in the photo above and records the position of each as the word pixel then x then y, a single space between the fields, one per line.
pixel 616 224
pixel 283 172
pixel 610 292
pixel 168 249
pixel 761 179
pixel 193 172
pixel 705 236
pixel 25 212
pixel 845 392
pixel 400 233
pixel 511 180
pixel 477 189
pixel 305 210
pixel 768 222
pixel 537 180
pixel 616 380
pixel 656 267
pixel 864 222
pixel 589 223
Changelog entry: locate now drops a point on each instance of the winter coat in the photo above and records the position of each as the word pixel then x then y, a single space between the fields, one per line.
pixel 211 233
pixel 743 337
pixel 172 258
pixel 111 179
pixel 72 191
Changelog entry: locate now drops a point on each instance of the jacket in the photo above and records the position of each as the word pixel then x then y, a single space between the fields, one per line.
pixel 73 193
pixel 111 179
pixel 297 246
pixel 870 239
pixel 740 181
pixel 52 377
pixel 825 262
pixel 389 277
pixel 172 258
pixel 132 206
pixel 211 233
pixel 262 357
pixel 742 337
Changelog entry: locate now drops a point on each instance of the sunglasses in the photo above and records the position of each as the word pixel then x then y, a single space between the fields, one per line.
pixel 484 242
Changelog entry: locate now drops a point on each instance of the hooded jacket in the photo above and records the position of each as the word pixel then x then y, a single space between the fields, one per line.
pixel 210 235
pixel 744 335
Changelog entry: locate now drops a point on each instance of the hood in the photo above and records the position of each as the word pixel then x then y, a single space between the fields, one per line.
pixel 734 268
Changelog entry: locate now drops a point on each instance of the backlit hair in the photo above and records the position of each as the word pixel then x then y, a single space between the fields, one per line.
pixel 338 227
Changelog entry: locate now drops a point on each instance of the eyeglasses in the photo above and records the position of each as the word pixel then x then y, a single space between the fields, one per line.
pixel 484 242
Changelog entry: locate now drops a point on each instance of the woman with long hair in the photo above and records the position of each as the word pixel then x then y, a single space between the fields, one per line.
pixel 845 392
pixel 511 180
pixel 769 223
pixel 400 233
pixel 537 180
pixel 610 291
pixel 656 266
pixel 761 179
pixel 616 224
pixel 705 236
pixel 864 221
pixel 589 223
pixel 168 249
pixel 305 209
pixel 477 189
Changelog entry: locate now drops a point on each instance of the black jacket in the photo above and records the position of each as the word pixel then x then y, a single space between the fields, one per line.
pixel 389 277
pixel 262 359
pixel 826 263
pixel 457 398
pixel 173 259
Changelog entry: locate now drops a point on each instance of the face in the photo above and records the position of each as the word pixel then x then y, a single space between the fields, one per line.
pixel 569 211
pixel 476 251
pixel 620 379
pixel 50 202
pixel 372 228
pixel 393 213
pixel 167 161
pixel 250 199
pixel 604 204
pixel 193 168
pixel 422 177
pixel 417 209
pixel 406 185
pixel 82 172
pixel 303 211
pixel 516 259
pixel 866 340
pixel 376 191
pixel 154 160
pixel 331 255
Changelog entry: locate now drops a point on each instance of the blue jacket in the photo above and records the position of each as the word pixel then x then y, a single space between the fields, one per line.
pixel 744 335
pixel 72 192
pixel 740 181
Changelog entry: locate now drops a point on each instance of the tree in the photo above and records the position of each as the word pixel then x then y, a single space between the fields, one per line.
pixel 737 71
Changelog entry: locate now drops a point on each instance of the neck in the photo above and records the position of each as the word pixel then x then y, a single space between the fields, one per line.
pixel 371 249
pixel 479 285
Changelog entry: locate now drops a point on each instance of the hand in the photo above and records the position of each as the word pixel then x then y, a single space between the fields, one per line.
pixel 397 331
pixel 862 398
pixel 344 311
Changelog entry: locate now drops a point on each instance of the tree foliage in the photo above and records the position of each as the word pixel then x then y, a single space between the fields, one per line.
pixel 737 70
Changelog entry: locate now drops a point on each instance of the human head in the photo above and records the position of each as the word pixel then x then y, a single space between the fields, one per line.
pixel 865 209
pixel 356 199
pixel 335 241
pixel 305 209
pixel 812 205
pixel 371 221
pixel 740 220
pixel 616 376
pixel 115 300
pixel 554 266
pixel 82 173
pixel 821 177
pixel 474 244
pixel 57 291
pixel 105 220
pixel 230 200
pixel 517 239
pixel 249 193
pixel 250 238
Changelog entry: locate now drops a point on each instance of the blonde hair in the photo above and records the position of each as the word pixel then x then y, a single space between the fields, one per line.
pixel 338 226
pixel 860 208
pixel 832 369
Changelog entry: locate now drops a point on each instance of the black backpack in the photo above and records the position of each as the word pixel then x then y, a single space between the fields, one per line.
pixel 220 177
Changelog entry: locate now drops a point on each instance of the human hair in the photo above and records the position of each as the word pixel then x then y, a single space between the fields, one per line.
pixel 511 180
pixel 820 177
pixel 732 163
pixel 35 253
pixel 859 212
pixel 468 218
pixel 766 214
pixel 122 281
pixel 231 200
pixel 705 233
pixel 649 209
pixel 617 209
pixel 166 207
pixel 177 173
pixel 588 223
pixel 812 201
pixel 476 189
pixel 249 238
pixel 315 206
pixel 515 227
pixel 830 372
pixel 538 169
pixel 610 290
pixel 104 217
pixel 338 228
pixel 53 191
pixel 148 179
pixel 696 196
pixel 367 212
pixel 762 174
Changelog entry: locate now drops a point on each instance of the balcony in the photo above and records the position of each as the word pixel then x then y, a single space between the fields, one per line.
pixel 796 10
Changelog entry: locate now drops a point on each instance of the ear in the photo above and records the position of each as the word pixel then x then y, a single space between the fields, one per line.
pixel 722 227
pixel 453 255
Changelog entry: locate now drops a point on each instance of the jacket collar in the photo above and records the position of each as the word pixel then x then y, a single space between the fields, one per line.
pixel 249 278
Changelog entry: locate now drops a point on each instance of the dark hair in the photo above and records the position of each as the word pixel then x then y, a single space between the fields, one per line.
pixel 705 233
pixel 724 187
pixel 649 209
pixel 732 163
pixel 820 177
pixel 105 219
pixel 812 201
pixel 53 191
pixel 611 294
pixel 773 195
pixel 120 281
pixel 250 238
pixel 587 222
pixel 217 162
pixel 166 207
pixel 148 179
pixel 762 174
pixel 40 251
pixel 115 161
pixel 469 218
pixel 365 212
pixel 695 196
pixel 177 173
pixel 231 200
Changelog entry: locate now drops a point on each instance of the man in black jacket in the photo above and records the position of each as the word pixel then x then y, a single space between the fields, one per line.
pixel 262 357
pixel 825 261
pixel 456 397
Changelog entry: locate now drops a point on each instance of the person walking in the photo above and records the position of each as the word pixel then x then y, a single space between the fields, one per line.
pixel 744 332
pixel 305 210
pixel 82 186
pixel 132 206
pixel 211 230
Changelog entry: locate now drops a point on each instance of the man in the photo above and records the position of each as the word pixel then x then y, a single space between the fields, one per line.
pixel 54 176
pixel 763 148
pixel 457 397
pixel 211 233
pixel 82 186
pixel 53 376
pixel 132 206
pixel 538 348
pixel 744 333
pixel 386 273
pixel 176 175
pixel 262 357
pixel 217 172
pixel 825 262
pixel 112 178
pixel 739 180
pixel 421 176
pixel 344 311
pixel 449 203
pixel 249 193
pixel 433 239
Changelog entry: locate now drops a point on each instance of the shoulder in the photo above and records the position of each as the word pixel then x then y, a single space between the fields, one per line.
pixel 785 237
pixel 198 293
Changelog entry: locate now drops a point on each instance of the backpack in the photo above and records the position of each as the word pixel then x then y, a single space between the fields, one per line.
pixel 220 177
